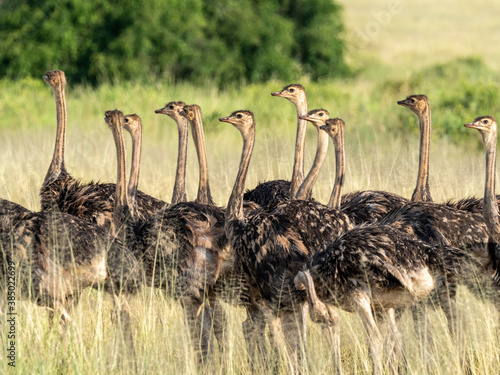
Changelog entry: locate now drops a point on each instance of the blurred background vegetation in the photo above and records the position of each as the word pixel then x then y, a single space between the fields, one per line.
pixel 183 40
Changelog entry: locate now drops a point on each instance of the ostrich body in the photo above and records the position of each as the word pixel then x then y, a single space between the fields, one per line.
pixel 376 268
pixel 57 255
pixel 8 211
pixel 268 193
pixel 173 110
pixel 61 192
pixel 442 225
pixel 270 246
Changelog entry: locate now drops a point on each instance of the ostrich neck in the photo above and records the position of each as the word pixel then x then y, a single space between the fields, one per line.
pixel 121 204
pixel 298 163
pixel 305 189
pixel 204 195
pixel 133 182
pixel 490 209
pixel 234 209
pixel 179 193
pixel 422 191
pixel 338 142
pixel 57 165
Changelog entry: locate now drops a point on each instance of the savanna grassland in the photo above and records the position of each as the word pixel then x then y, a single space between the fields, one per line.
pixel 460 73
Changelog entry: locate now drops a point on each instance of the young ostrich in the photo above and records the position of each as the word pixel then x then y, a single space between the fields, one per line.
pixel 57 255
pixel 419 104
pixel 269 193
pixel 487 126
pixel 61 192
pixel 376 268
pixel 270 246
pixel 172 110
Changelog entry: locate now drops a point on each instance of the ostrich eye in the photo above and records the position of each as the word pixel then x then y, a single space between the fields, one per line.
pixel 170 106
pixel 320 114
pixel 291 90
pixel 412 101
pixel 485 122
pixel 126 119
pixel 239 115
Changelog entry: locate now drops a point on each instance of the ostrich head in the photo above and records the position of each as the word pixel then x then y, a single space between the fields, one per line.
pixel 243 120
pixel 332 126
pixel 486 125
pixel 113 118
pixel 317 117
pixel 55 78
pixel 133 123
pixel 417 103
pixel 294 93
pixel 190 111
pixel 172 110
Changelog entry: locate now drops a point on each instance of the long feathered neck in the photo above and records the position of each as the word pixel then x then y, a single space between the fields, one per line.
pixel 339 143
pixel 422 191
pixel 133 183
pixel 234 209
pixel 298 163
pixel 305 189
pixel 57 165
pixel 204 195
pixel 490 208
pixel 121 210
pixel 179 193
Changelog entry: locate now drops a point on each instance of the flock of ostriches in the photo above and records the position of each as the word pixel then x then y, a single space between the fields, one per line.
pixel 274 250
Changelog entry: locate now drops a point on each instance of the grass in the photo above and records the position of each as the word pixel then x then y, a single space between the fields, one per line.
pixel 461 80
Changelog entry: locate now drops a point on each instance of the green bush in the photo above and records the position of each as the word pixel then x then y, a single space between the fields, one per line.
pixel 190 40
pixel 459 91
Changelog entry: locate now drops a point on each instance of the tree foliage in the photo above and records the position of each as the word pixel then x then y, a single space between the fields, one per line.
pixel 226 41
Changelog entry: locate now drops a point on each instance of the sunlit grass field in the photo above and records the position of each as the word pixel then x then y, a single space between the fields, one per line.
pixel 381 152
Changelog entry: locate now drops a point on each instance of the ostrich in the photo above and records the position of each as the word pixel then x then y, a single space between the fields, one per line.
pixel 487 126
pixel 376 268
pixel 57 255
pixel 271 192
pixel 173 110
pixel 270 245
pixel 419 104
pixel 60 191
